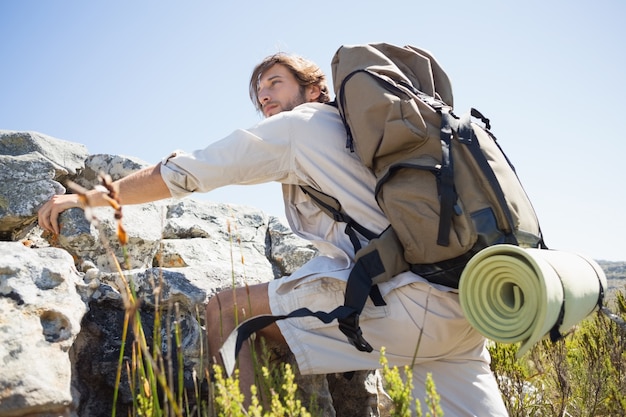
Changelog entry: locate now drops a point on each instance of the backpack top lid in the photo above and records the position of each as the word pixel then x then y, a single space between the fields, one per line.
pixel 416 66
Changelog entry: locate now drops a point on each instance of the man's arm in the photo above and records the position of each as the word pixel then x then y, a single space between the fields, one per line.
pixel 142 186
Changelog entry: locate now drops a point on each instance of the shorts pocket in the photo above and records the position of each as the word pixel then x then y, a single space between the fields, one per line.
pixel 326 295
pixel 370 311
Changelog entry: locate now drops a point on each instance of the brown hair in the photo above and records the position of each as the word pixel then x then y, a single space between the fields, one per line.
pixel 306 73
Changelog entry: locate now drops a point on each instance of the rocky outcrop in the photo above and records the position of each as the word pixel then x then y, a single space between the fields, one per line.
pixel 63 299
pixel 49 163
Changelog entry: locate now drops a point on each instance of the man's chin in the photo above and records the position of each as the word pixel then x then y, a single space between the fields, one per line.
pixel 272 111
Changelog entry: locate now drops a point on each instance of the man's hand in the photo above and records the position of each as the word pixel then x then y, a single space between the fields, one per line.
pixel 49 212
pixel 141 186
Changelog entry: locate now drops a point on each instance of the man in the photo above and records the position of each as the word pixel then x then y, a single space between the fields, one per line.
pixel 302 142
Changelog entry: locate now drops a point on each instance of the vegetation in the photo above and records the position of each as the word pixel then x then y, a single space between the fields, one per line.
pixel 583 374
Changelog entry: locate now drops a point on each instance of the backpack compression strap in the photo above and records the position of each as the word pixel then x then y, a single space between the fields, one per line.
pixel 447 191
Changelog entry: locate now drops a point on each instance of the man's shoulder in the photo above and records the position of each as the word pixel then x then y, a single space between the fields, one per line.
pixel 316 107
pixel 321 114
pixel 309 124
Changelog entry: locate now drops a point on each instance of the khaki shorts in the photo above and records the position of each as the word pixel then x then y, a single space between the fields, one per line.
pixel 450 349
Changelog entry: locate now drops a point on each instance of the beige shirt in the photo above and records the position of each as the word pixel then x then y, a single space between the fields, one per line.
pixel 305 146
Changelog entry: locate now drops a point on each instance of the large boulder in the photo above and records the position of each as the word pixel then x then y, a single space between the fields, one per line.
pixel 33 169
pixel 40 318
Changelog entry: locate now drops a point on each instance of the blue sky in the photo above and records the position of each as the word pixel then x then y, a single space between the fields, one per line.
pixel 142 78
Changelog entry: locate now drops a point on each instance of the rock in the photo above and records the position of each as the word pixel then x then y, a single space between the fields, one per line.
pixel 64 300
pixel 115 166
pixel 34 167
pixel 40 318
pixel 67 157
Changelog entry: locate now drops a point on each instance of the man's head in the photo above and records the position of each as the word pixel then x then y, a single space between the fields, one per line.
pixel 281 82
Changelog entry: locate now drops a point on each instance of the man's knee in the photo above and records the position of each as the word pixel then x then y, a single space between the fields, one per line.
pixel 230 307
pixel 213 311
pixel 221 315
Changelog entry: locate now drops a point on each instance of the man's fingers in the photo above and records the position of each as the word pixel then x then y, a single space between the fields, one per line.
pixel 53 221
pixel 44 219
pixel 48 214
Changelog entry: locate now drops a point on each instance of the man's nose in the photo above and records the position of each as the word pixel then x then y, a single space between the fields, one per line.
pixel 264 96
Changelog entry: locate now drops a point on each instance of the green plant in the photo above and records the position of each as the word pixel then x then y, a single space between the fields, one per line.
pixel 583 374
pixel 399 387
pixel 283 401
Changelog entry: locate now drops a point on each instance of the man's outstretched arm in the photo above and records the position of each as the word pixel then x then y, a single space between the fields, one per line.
pixel 142 186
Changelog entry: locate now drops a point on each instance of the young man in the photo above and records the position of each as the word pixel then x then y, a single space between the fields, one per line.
pixel 302 142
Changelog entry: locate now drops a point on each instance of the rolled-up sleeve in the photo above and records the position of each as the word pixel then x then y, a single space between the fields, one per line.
pixel 253 156
pixel 179 182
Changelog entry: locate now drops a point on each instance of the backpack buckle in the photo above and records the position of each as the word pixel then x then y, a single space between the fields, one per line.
pixel 349 326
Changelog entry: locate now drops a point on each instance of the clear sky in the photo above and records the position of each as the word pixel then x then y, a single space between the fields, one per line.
pixel 142 78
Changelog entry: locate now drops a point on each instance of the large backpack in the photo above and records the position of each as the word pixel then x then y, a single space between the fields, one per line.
pixel 443 181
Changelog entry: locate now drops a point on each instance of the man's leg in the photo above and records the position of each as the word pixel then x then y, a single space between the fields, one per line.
pixel 417 316
pixel 225 311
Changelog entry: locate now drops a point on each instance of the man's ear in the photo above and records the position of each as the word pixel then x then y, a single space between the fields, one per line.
pixel 313 93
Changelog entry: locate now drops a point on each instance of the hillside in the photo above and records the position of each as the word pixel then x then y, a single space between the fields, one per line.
pixel 615 275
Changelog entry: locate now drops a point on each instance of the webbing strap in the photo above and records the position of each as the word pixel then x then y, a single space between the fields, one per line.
pixel 231 347
pixel 358 289
pixel 620 322
pixel 447 192
pixel 332 207
pixel 359 285
pixel 468 138
pixel 555 331
pixel 475 113
pixel 466 135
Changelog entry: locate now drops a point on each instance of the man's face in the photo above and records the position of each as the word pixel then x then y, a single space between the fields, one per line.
pixel 279 91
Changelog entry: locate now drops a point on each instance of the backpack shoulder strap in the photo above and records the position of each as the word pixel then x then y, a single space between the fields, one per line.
pixel 332 207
